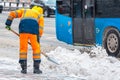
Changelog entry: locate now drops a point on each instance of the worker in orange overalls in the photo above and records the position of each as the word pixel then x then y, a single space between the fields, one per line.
pixel 30 28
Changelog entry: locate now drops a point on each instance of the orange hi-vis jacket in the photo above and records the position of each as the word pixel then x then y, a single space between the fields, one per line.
pixel 27 14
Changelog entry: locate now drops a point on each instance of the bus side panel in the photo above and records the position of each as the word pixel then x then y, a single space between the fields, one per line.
pixel 99 30
pixel 64 28
pixel 101 24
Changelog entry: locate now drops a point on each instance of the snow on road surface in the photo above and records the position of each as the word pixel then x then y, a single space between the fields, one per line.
pixel 74 65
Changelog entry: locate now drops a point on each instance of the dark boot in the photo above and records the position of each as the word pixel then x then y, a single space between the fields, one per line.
pixel 36 67
pixel 23 64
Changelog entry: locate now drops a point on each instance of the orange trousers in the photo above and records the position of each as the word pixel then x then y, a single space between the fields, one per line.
pixel 24 38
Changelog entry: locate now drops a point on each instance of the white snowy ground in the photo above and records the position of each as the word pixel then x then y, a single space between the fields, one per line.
pixel 83 64
pixel 74 65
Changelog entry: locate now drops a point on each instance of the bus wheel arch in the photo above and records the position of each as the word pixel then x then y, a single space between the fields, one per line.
pixel 111 41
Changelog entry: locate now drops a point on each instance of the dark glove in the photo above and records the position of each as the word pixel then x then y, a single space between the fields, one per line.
pixel 8 27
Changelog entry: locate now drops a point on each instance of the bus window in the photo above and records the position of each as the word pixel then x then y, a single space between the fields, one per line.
pixel 77 8
pixel 107 8
pixel 88 9
pixel 63 7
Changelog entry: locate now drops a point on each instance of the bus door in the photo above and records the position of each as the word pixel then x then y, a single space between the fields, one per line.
pixel 83 22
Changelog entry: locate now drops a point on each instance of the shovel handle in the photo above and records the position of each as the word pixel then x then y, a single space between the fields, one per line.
pixel 14 32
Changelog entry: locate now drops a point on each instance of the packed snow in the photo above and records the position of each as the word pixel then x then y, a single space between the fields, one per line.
pixel 74 65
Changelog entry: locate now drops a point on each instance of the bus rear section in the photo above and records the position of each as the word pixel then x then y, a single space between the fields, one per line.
pixel 89 23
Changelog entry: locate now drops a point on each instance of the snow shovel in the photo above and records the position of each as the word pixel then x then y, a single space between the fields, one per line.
pixel 49 58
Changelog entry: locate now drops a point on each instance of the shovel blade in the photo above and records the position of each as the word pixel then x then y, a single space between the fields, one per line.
pixel 53 60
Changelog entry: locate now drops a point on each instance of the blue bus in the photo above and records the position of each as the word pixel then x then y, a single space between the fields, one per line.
pixel 89 23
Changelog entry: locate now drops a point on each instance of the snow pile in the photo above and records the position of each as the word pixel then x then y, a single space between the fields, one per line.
pixel 74 63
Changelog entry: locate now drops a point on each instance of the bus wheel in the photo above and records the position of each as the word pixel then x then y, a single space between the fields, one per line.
pixel 112 43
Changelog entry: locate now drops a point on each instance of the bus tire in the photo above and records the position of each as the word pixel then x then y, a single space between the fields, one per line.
pixel 112 42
